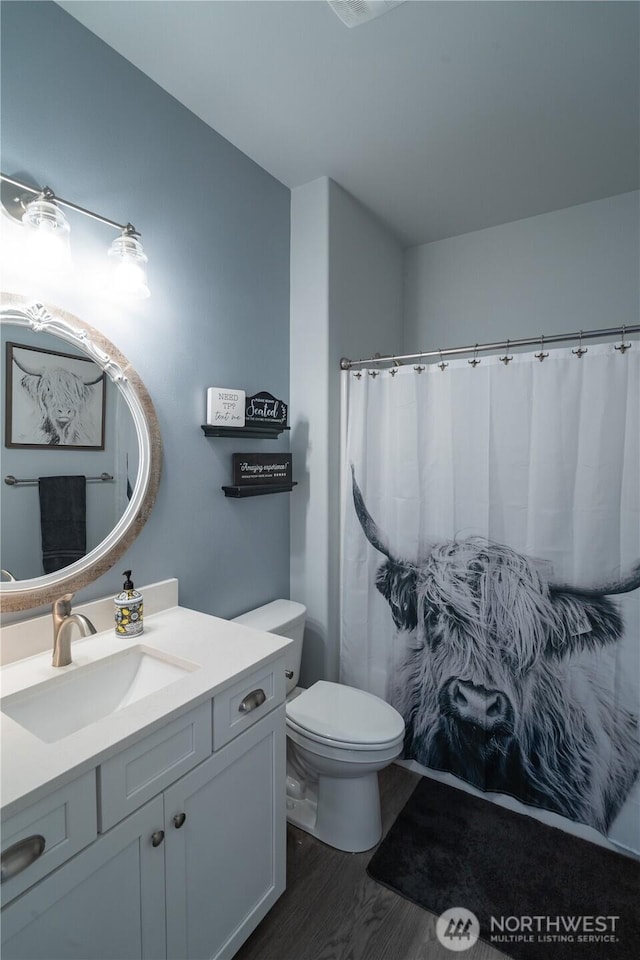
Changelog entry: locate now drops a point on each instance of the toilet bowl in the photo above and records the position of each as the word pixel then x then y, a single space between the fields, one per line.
pixel 338 737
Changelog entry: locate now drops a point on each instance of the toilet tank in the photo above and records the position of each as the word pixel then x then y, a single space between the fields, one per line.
pixel 286 619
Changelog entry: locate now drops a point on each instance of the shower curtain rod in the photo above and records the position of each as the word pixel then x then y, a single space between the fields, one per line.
pixel 541 341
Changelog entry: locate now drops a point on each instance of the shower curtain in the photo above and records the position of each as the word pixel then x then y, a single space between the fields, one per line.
pixel 490 573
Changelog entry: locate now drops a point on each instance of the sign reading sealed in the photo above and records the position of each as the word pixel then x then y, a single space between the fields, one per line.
pixel 265 408
pixel 267 468
pixel 225 406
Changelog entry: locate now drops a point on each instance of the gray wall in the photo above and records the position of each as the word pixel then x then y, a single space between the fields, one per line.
pixel 572 269
pixel 215 226
pixel 346 300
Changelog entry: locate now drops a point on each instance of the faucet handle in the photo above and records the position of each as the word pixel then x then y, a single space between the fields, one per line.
pixel 62 606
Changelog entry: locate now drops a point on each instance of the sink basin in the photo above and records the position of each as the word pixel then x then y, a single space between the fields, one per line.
pixel 67 703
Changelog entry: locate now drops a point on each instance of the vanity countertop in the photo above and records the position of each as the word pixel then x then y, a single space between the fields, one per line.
pixel 221 650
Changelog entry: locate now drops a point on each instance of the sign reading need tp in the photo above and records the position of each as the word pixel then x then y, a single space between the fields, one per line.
pixel 225 406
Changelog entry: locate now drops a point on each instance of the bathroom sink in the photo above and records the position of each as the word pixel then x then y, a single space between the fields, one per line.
pixel 58 707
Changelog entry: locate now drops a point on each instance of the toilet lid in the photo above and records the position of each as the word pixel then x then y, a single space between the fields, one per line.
pixel 345 714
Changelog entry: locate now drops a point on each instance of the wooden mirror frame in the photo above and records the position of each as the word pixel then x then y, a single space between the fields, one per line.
pixel 33 315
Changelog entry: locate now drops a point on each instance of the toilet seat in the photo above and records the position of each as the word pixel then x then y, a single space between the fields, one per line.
pixel 344 718
pixel 324 746
pixel 352 755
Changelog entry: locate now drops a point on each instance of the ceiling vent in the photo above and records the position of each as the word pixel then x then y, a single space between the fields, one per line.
pixel 354 12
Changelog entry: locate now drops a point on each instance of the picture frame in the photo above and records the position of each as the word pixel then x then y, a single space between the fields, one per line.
pixel 54 400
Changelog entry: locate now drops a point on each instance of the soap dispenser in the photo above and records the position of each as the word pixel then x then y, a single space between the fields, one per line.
pixel 128 609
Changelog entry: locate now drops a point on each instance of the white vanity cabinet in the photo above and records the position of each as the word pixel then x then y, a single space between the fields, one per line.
pixel 225 861
pixel 187 863
pixel 107 901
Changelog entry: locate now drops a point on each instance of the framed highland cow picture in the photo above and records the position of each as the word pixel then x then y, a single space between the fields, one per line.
pixel 53 400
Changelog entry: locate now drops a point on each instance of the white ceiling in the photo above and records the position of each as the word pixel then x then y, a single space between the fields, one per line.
pixel 441 117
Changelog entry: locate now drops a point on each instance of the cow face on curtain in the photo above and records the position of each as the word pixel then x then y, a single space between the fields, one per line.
pixel 501 682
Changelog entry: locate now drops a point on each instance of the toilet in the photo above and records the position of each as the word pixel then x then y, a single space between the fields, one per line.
pixel 338 737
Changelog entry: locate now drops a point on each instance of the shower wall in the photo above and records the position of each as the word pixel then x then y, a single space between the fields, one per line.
pixel 566 270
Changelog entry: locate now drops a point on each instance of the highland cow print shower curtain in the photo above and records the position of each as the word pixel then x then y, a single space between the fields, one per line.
pixel 491 573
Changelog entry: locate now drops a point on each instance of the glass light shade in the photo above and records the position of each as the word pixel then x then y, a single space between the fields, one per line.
pixel 129 273
pixel 48 231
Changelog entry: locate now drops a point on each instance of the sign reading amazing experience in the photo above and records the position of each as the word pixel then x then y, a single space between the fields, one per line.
pixel 265 408
pixel 267 468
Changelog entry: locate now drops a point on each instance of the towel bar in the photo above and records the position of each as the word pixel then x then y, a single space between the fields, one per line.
pixel 14 481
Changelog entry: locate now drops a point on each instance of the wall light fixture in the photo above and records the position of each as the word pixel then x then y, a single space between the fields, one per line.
pixel 38 209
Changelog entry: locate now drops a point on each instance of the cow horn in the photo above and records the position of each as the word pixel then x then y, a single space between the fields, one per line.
pixel 630 581
pixel 91 383
pixel 34 373
pixel 368 524
pixel 30 373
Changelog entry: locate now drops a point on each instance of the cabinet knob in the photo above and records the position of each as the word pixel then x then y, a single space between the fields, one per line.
pixel 252 700
pixel 179 819
pixel 21 855
pixel 289 674
pixel 157 838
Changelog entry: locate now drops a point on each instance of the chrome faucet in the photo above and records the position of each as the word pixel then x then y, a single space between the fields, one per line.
pixel 63 621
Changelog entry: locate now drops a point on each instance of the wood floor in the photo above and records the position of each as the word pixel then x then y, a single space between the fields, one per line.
pixel 332 910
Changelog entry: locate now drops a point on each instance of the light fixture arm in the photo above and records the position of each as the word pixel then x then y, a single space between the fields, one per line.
pixel 48 194
pixel 38 210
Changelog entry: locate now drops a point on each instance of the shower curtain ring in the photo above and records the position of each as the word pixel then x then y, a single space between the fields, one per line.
pixel 580 352
pixel 418 369
pixel 474 363
pixel 506 359
pixel 358 375
pixel 373 373
pixel 542 355
pixel 623 347
pixel 442 364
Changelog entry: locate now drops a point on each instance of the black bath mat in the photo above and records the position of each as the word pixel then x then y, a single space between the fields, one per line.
pixel 450 849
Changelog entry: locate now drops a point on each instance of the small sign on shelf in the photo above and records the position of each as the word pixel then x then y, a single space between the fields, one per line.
pixel 263 407
pixel 261 468
pixel 225 407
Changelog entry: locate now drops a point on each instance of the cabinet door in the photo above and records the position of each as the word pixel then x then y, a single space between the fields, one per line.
pixel 226 862
pixel 107 902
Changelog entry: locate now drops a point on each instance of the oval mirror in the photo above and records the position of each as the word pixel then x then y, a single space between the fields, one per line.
pixel 82 453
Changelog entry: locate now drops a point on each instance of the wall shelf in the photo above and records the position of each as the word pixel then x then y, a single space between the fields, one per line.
pixel 258 489
pixel 267 431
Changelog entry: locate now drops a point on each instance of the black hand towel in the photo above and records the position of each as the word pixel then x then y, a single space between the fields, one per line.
pixel 63 520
